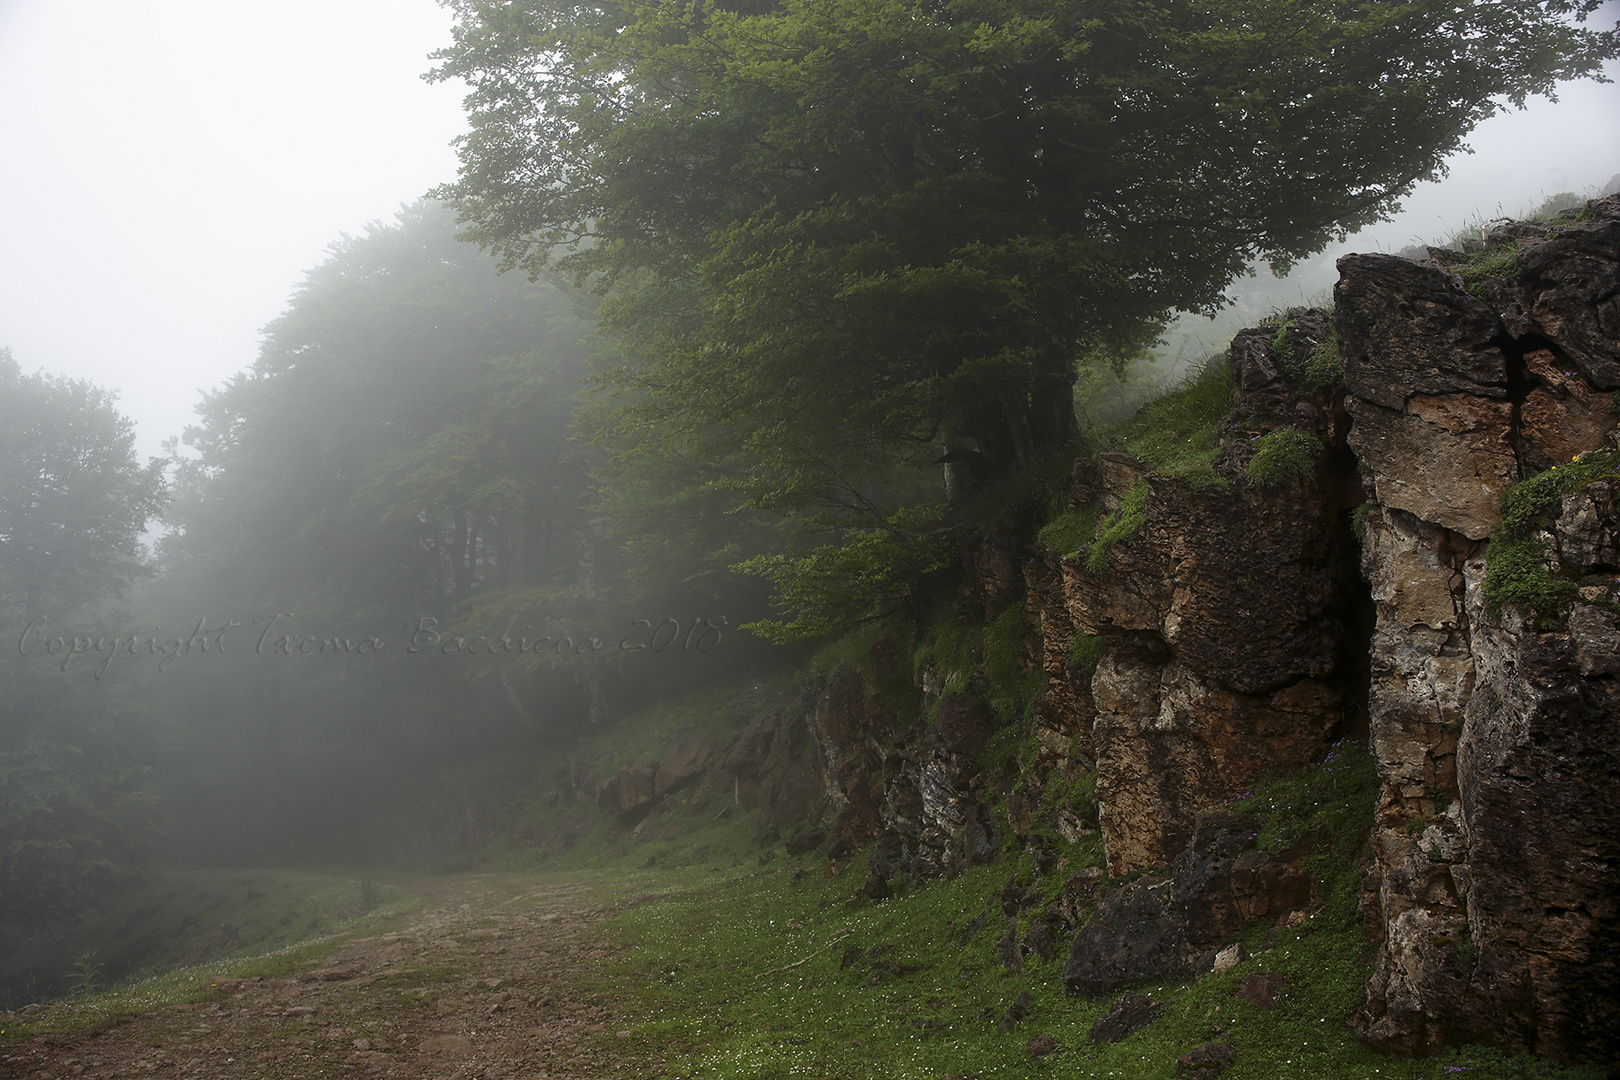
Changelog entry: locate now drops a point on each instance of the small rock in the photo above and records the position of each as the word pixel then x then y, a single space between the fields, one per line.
pixel 1228 958
pixel 1260 990
pixel 1016 1013
pixel 1041 1046
pixel 361 1044
pixel 301 1010
pixel 1211 1059
pixel 1130 1013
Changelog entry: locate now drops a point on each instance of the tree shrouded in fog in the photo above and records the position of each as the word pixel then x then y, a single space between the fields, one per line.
pixel 398 457
pixel 845 235
pixel 842 242
pixel 76 793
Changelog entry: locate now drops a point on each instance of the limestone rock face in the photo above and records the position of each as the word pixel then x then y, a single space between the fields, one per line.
pixel 1567 289
pixel 1226 617
pixel 1495 887
pixel 850 730
pixel 1444 459
pixel 1171 744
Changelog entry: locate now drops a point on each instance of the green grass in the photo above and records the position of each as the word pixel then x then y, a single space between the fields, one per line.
pixel 1070 531
pixel 1283 455
pixel 1179 433
pixel 1493 262
pixel 1125 523
pixel 1086 652
pixel 1515 572
pixel 746 977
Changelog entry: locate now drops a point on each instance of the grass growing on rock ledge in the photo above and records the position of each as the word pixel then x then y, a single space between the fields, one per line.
pixel 1179 433
pixel 1516 572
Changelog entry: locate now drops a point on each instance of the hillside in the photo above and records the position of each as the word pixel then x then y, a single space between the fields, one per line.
pixel 1274 736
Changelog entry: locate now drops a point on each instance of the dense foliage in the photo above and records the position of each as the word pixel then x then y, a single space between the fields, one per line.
pixel 840 235
pixel 76 790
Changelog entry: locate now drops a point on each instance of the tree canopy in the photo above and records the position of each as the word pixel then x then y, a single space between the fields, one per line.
pixel 76 787
pixel 843 235
pixel 844 244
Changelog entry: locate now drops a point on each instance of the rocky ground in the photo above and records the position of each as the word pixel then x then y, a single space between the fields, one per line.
pixel 495 979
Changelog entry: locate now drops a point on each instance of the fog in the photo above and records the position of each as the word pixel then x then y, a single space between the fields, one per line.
pixel 397 582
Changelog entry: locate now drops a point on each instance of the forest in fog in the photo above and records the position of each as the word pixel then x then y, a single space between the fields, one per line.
pixel 739 318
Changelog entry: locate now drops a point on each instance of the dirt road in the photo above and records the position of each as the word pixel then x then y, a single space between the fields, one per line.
pixel 495 979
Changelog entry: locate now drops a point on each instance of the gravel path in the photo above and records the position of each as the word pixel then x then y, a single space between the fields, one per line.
pixel 498 980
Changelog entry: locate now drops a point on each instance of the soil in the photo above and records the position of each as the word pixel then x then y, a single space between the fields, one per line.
pixel 497 979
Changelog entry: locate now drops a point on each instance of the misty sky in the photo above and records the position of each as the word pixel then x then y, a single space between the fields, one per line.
pixel 169 169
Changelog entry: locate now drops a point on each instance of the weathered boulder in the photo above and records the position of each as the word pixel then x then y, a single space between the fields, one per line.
pixel 628 791
pixel 1210 1059
pixel 1408 328
pixel 687 757
pixel 1134 935
pixel 1566 287
pixel 1166 926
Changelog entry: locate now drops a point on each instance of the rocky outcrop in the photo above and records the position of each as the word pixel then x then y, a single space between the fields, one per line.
pixel 1228 616
pixel 1166 926
pixel 1496 884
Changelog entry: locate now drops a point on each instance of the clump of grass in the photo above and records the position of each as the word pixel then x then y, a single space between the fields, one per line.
pixel 1070 531
pixel 1125 523
pixel 1086 652
pixel 85 978
pixel 1516 570
pixel 1283 455
pixel 1492 262
pixel 1179 434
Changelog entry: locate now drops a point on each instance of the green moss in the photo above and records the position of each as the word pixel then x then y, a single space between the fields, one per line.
pixel 1086 652
pixel 1282 455
pixel 1515 571
pixel 1130 517
pixel 1070 531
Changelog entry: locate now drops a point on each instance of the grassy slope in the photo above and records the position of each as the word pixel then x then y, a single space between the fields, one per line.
pixel 745 975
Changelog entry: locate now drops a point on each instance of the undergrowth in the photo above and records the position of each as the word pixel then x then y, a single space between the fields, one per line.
pixel 1179 433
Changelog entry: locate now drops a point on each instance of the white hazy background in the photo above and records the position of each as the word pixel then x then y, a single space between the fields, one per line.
pixel 170 169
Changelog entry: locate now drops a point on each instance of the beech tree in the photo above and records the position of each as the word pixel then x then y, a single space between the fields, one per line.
pixel 841 241
pixel 840 231
pixel 77 796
